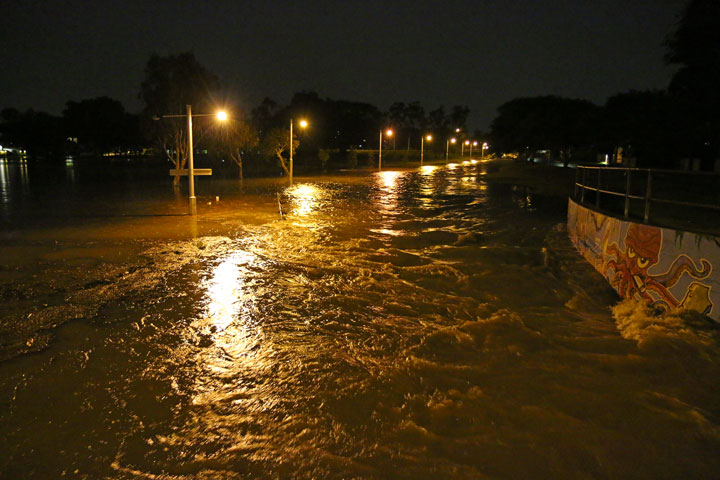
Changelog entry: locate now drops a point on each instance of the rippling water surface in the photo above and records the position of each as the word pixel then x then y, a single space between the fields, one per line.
pixel 395 324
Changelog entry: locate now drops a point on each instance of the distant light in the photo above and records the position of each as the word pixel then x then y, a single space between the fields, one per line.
pixel 457 130
pixel 389 132
pixel 303 123
pixel 222 115
pixel 474 144
pixel 485 145
pixel 467 142
pixel 428 138
pixel 473 161
pixel 453 140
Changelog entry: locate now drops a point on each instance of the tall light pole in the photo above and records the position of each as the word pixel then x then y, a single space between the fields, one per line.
pixel 191 166
pixel 447 146
pixel 484 147
pixel 222 116
pixel 389 133
pixel 473 144
pixel 303 124
pixel 462 148
pixel 422 146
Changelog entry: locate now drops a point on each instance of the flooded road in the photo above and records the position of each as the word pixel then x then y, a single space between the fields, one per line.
pixel 394 325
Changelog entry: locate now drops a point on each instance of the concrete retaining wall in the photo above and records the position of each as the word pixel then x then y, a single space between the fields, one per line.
pixel 669 269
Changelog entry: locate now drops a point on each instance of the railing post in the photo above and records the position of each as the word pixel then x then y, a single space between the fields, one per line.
pixel 648 194
pixel 577 180
pixel 582 192
pixel 627 193
pixel 597 192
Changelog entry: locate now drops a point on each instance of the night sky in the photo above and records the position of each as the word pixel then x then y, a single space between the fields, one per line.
pixel 474 53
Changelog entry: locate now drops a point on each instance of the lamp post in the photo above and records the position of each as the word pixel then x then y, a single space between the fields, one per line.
pixel 473 144
pixel 462 148
pixel 422 146
pixel 222 116
pixel 484 147
pixel 447 146
pixel 303 124
pixel 389 133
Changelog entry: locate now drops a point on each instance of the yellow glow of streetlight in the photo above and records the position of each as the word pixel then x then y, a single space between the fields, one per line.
pixel 303 123
pixel 222 115
pixel 475 144
pixel 428 138
pixel 457 130
pixel 467 142
pixel 389 132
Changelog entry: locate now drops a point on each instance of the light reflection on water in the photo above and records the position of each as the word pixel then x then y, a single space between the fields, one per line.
pixel 4 181
pixel 225 290
pixel 305 197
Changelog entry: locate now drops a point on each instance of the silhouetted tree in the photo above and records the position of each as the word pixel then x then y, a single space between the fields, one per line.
pixel 233 139
pixel 353 123
pixel 560 125
pixel 169 85
pixel 276 142
pixel 642 124
pixel 695 46
pixel 408 120
pixel 99 124
pixel 40 133
pixel 458 117
pixel 264 114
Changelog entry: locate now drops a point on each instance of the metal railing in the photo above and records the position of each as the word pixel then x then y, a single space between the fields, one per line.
pixel 605 186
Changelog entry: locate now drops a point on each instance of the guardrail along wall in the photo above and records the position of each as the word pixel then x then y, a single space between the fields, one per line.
pixel 675 199
pixel 668 269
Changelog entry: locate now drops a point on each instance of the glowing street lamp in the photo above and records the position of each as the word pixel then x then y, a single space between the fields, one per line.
pixel 221 116
pixel 388 133
pixel 484 147
pixel 447 146
pixel 303 124
pixel 422 146
pixel 462 147
pixel 473 144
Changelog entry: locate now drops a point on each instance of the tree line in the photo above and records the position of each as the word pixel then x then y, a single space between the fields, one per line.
pixel 339 128
pixel 655 127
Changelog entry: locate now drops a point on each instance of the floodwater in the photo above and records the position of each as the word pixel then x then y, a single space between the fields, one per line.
pixel 414 324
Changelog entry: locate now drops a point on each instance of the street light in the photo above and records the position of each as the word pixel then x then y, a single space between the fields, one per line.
pixel 447 146
pixel 473 144
pixel 484 147
pixel 422 146
pixel 221 116
pixel 462 148
pixel 389 133
pixel 303 124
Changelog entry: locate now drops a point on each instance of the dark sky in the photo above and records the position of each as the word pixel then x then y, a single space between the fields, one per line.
pixel 474 53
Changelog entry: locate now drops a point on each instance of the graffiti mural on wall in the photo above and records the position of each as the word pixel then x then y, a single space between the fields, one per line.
pixel 665 268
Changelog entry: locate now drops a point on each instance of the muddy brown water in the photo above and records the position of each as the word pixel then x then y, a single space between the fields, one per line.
pixel 394 325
